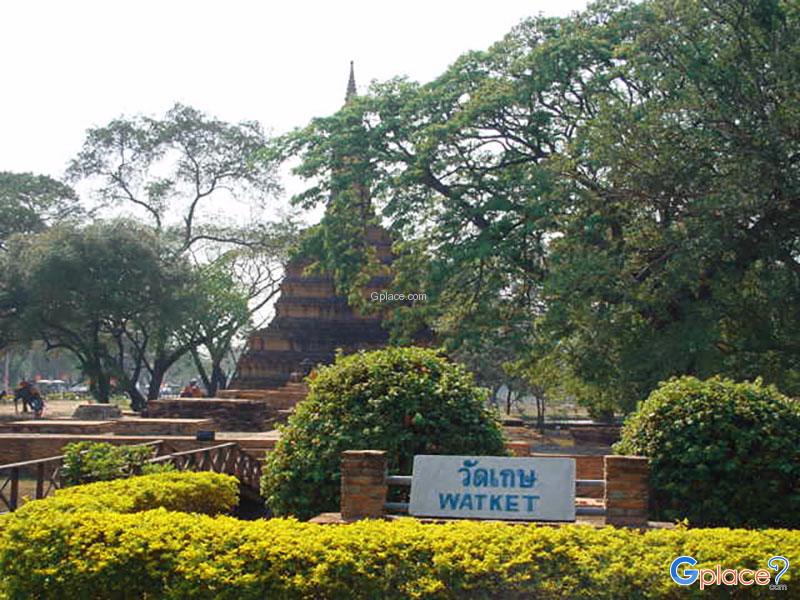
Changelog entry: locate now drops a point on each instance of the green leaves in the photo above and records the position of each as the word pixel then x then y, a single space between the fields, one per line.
pixel 87 462
pixel 175 555
pixel 176 166
pixel 406 401
pixel 31 203
pixel 100 292
pixel 613 194
pixel 720 452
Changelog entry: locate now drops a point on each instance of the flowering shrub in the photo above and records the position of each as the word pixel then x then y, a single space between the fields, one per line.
pixel 209 493
pixel 158 554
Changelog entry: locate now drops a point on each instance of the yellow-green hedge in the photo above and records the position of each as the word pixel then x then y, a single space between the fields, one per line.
pixel 159 554
pixel 203 492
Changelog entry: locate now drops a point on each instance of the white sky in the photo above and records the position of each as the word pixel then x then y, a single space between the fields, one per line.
pixel 70 65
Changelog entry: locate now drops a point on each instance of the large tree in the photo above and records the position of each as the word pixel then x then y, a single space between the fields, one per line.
pixel 86 290
pixel 225 316
pixel 202 185
pixel 467 170
pixel 680 254
pixel 174 170
pixel 30 203
pixel 615 190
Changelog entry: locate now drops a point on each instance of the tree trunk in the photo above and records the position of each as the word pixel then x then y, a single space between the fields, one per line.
pixel 159 371
pixel 138 401
pixel 540 413
pixel 161 365
pixel 154 387
pixel 102 387
pixel 493 398
pixel 219 380
pixel 508 402
pixel 201 370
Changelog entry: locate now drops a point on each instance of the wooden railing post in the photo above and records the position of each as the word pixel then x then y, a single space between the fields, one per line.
pixel 364 484
pixel 13 499
pixel 39 481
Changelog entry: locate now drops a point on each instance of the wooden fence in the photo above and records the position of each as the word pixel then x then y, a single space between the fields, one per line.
pixel 46 472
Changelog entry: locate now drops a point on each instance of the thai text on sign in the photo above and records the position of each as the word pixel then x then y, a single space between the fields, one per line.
pixel 492 487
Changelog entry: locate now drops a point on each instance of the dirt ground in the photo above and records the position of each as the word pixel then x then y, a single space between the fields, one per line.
pixel 54 409
pixel 553 441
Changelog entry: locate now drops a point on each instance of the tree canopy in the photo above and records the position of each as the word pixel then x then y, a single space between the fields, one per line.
pixel 613 194
pixel 30 203
pixel 178 175
pixel 170 169
pixel 595 203
pixel 87 290
pixel 175 278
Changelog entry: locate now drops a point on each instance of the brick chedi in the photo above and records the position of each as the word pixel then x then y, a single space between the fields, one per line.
pixel 311 322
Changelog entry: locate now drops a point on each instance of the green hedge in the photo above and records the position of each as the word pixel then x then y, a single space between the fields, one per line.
pixel 721 453
pixel 87 462
pixel 158 554
pixel 406 401
pixel 209 493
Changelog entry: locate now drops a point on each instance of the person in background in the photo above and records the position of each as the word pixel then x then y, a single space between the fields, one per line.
pixel 31 398
pixel 192 390
pixel 24 393
pixel 36 403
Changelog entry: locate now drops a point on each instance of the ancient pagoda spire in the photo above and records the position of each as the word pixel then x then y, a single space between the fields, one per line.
pixel 351 84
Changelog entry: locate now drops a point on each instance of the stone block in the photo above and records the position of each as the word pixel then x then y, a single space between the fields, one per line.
pixel 226 414
pixel 97 412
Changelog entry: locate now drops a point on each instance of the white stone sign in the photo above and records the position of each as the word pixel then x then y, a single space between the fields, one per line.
pixel 492 487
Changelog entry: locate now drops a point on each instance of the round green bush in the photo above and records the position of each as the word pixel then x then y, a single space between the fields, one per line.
pixel 406 401
pixel 185 491
pixel 721 453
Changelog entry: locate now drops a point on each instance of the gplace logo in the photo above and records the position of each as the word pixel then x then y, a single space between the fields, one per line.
pixel 720 576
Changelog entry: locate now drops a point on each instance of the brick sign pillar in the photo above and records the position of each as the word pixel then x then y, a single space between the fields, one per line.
pixel 627 495
pixel 363 484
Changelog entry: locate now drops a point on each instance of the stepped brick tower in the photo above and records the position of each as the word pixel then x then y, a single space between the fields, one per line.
pixel 311 322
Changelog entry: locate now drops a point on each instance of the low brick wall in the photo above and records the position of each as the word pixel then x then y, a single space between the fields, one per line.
pixel 124 426
pixel 58 426
pixel 586 466
pixel 599 435
pixel 274 398
pixel 227 414
pixel 22 447
pixel 518 448
pixel 162 426
pixel 97 412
